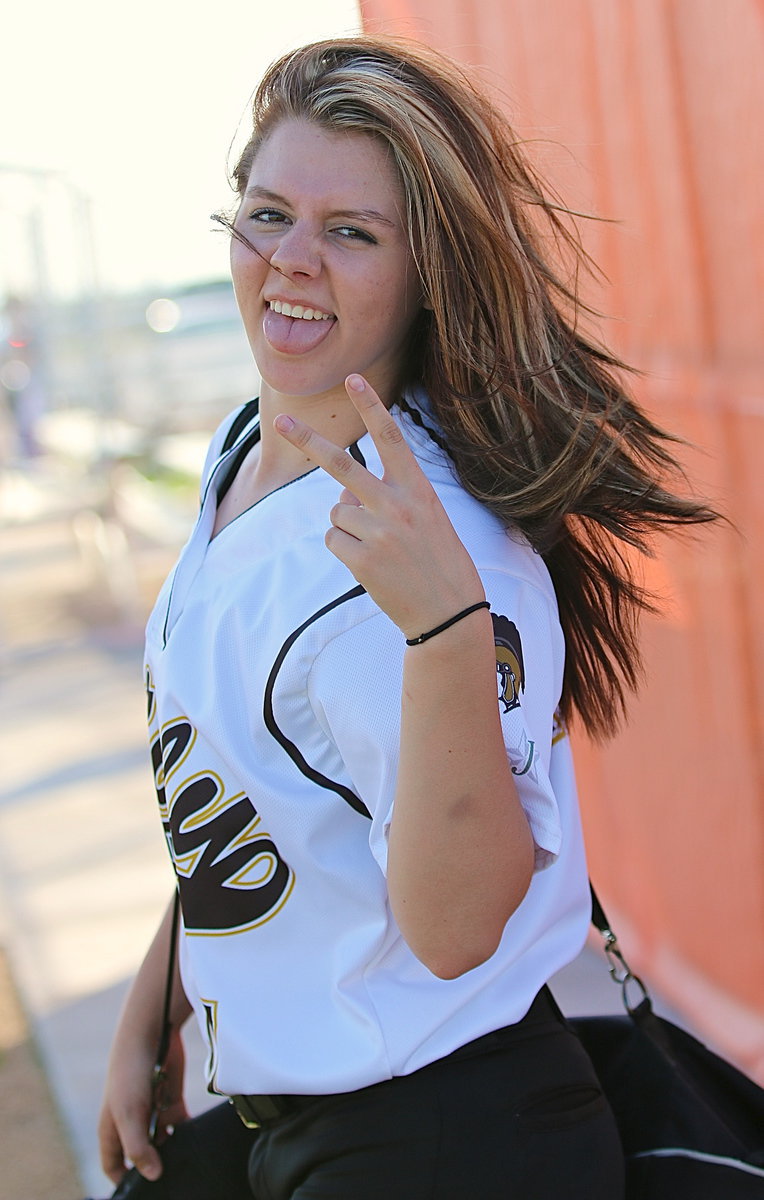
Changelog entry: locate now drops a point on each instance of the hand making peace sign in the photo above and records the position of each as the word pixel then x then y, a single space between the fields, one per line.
pixel 392 533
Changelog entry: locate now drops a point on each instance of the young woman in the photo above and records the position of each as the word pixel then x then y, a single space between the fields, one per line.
pixel 406 579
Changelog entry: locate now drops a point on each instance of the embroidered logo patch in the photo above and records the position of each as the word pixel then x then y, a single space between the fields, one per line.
pixel 509 661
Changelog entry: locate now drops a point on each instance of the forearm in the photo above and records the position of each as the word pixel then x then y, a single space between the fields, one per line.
pixel 123 1127
pixel 460 854
pixel 461 851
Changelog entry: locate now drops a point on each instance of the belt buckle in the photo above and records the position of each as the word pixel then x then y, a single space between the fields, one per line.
pixel 244 1111
pixel 254 1111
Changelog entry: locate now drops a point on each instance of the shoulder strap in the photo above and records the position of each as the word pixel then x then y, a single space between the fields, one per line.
pixel 239 423
pixel 164 1037
pixel 617 965
pixel 599 919
pixel 159 1097
pixel 620 970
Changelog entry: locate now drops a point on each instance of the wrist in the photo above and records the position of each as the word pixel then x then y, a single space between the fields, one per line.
pixel 461 615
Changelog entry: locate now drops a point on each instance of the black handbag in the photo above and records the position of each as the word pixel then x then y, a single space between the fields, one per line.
pixel 206 1157
pixel 691 1124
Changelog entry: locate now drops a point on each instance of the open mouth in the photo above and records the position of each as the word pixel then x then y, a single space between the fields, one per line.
pixel 295 328
pixel 299 311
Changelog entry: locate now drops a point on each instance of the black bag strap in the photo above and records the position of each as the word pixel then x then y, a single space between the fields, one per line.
pixel 164 1036
pixel 158 1075
pixel 697 1070
pixel 599 919
pixel 620 970
pixel 246 413
pixel 617 965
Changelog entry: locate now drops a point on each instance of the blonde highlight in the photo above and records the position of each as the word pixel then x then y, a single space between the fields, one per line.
pixel 535 417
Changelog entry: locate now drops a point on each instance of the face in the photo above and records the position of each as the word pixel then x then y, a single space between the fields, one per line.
pixel 336 289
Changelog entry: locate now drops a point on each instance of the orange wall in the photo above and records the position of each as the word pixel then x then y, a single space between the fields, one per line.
pixel 650 112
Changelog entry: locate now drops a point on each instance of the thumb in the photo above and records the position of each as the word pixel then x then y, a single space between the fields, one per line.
pixel 148 1163
pixel 126 1142
pixel 140 1152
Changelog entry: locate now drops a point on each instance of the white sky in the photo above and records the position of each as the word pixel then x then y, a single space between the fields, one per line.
pixel 137 105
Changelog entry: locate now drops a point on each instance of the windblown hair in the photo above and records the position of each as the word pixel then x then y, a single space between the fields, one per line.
pixel 533 414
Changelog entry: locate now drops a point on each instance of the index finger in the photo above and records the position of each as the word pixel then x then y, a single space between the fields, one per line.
pixel 383 428
pixel 330 457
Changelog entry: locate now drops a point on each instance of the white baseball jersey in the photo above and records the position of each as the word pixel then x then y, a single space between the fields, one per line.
pixel 274 707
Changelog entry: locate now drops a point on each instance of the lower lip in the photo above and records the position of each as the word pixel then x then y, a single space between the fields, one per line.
pixel 289 335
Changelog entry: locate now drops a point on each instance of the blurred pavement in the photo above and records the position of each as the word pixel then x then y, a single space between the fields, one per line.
pixel 84 874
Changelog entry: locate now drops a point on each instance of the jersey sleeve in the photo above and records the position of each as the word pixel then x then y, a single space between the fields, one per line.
pixel 355 691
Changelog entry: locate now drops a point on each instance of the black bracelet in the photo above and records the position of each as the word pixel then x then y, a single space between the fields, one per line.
pixel 423 637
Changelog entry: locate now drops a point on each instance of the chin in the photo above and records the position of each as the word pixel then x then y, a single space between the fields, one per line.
pixel 301 383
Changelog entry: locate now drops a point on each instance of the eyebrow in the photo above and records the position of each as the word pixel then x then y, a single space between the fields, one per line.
pixel 354 214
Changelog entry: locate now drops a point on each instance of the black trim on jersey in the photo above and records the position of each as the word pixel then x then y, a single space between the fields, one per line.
pixel 270 721
pixel 246 413
pixel 419 420
pixel 232 467
pixel 238 425
pixel 240 422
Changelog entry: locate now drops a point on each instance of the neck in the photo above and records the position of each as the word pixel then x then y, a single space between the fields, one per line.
pixel 331 415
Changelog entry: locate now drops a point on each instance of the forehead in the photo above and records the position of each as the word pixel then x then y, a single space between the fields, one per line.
pixel 341 167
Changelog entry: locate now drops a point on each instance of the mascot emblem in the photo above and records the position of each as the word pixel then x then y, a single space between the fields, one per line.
pixel 509 661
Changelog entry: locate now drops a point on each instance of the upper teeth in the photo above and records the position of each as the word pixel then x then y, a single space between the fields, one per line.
pixel 297 310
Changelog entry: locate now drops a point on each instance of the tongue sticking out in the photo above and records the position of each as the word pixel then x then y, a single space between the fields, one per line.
pixel 293 335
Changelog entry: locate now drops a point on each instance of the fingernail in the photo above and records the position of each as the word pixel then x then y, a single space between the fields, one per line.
pixel 356 383
pixel 283 423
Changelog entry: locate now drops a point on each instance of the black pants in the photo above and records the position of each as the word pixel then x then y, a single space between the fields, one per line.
pixel 515 1115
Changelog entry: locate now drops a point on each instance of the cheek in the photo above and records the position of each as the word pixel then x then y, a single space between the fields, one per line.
pixel 247 270
pixel 394 295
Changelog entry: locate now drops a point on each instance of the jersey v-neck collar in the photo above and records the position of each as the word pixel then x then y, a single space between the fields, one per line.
pixel 240 451
pixel 201 542
pixel 234 457
pixel 221 474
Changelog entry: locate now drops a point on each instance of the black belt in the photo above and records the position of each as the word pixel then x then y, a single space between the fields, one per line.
pixel 259 1110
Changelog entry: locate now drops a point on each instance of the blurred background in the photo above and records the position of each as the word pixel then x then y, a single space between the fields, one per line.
pixel 120 350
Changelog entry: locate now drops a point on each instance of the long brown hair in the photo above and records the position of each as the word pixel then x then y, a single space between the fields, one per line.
pixel 534 415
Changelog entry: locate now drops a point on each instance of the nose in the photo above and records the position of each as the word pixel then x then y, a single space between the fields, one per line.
pixel 297 252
